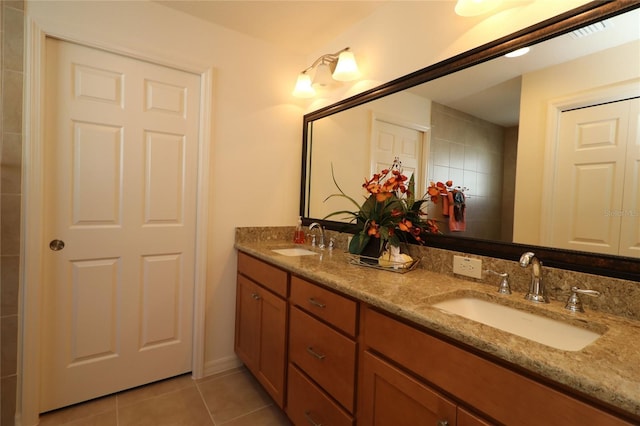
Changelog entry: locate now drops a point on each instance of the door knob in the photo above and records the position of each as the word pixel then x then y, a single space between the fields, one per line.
pixel 56 245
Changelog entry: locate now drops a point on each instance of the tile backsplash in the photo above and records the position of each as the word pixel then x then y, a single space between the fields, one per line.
pixel 619 297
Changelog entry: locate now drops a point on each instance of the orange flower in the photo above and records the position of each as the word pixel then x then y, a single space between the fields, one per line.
pixel 405 225
pixel 374 229
pixel 434 193
pixel 383 196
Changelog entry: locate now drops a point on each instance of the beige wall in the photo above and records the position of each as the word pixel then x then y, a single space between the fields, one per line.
pixel 11 77
pixel 539 88
pixel 255 123
pixel 510 155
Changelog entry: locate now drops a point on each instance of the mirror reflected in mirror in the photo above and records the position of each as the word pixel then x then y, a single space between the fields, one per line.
pixel 498 129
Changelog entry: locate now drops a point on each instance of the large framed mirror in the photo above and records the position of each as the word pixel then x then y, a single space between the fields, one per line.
pixel 491 125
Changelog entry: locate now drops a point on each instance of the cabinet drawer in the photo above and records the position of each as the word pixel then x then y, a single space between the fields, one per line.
pixel 307 404
pixel 494 390
pixel 326 356
pixel 331 307
pixel 264 274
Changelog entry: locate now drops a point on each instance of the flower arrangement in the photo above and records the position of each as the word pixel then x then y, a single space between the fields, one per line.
pixel 390 212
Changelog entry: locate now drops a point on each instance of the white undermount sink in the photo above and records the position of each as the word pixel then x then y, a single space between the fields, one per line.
pixel 294 251
pixel 550 332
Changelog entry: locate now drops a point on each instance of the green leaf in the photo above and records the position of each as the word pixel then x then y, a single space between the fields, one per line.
pixel 342 193
pixel 412 194
pixel 358 243
pixel 354 215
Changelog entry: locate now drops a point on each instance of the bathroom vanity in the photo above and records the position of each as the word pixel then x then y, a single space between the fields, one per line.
pixel 337 343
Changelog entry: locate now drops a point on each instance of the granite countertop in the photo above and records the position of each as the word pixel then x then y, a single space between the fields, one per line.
pixel 607 369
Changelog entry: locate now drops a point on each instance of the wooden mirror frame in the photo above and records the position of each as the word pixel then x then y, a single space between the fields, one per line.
pixel 598 264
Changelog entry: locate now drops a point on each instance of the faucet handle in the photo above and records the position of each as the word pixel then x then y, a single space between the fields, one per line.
pixel 574 304
pixel 504 287
pixel 332 243
pixel 313 239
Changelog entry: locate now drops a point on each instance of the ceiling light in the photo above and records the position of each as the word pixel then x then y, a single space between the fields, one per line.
pixel 475 7
pixel 327 70
pixel 518 52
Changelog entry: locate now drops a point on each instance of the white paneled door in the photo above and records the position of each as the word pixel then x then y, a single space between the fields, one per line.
pixel 121 140
pixel 595 203
pixel 391 140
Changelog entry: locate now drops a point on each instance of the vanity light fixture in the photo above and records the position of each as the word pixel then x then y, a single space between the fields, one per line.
pixel 339 66
pixel 475 7
pixel 518 52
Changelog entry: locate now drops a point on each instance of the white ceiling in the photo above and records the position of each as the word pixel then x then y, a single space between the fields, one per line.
pixel 299 26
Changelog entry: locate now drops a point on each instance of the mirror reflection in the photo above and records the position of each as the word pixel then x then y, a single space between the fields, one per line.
pixel 537 164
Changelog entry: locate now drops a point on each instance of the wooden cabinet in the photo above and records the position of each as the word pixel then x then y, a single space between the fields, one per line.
pixel 389 396
pixel 322 355
pixel 309 346
pixel 261 321
pixel 497 392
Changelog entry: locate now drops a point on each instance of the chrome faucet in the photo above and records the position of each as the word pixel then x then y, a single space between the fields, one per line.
pixel 573 303
pixel 504 287
pixel 536 287
pixel 317 225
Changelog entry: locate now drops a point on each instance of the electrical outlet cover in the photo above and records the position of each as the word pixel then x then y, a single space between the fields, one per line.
pixel 467 266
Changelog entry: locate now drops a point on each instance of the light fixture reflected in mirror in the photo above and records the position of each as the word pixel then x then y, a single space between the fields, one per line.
pixel 518 52
pixel 475 7
pixel 328 69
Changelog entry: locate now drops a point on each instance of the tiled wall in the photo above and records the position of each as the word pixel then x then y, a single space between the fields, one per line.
pixel 470 152
pixel 11 79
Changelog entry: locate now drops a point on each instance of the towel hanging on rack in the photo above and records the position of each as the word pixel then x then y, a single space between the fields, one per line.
pixel 457 211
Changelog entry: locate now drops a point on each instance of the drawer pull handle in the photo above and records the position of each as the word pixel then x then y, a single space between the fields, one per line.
pixel 307 415
pixel 442 423
pixel 256 296
pixel 314 302
pixel 314 353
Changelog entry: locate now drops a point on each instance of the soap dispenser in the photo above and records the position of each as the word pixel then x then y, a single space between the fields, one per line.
pixel 298 236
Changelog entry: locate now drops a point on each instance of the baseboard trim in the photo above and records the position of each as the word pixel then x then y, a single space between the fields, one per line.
pixel 220 365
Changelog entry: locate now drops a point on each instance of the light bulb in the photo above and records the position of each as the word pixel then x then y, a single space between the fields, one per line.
pixel 322 77
pixel 346 68
pixel 303 87
pixel 518 52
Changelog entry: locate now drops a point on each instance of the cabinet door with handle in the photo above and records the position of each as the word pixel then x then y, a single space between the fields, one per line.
pixel 391 397
pixel 261 319
pixel 247 344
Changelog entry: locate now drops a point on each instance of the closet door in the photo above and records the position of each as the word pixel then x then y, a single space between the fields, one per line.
pixel 630 214
pixel 591 160
pixel 120 171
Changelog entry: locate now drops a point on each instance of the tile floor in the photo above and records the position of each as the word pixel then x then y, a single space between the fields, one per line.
pixel 233 398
